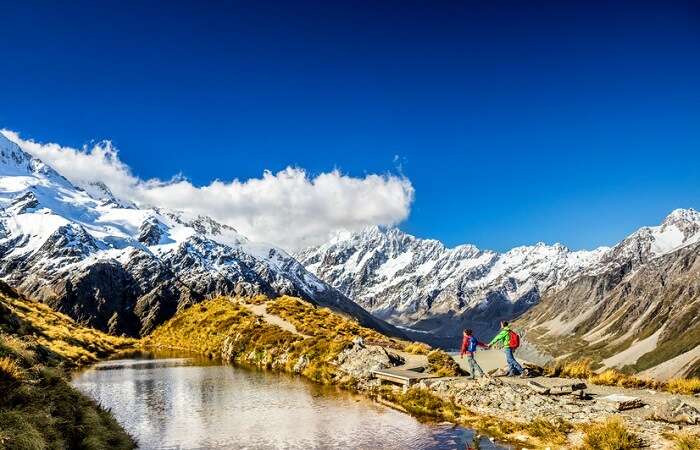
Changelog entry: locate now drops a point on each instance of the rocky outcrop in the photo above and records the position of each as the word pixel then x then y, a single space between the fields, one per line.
pixel 359 360
pixel 676 411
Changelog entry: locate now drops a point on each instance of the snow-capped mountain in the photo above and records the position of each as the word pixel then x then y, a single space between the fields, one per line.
pixel 423 285
pixel 114 266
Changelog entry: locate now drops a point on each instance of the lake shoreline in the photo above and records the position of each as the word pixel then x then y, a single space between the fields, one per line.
pixel 327 351
pixel 278 402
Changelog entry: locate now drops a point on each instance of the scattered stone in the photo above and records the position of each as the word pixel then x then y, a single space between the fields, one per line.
pixel 537 387
pixel 564 389
pixel 533 370
pixel 676 411
pixel 622 402
pixel 301 364
pixel 360 360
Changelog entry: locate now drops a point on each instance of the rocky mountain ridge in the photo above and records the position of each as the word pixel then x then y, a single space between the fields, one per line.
pixel 116 267
pixel 422 285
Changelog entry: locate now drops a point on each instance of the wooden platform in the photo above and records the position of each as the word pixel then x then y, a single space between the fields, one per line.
pixel 403 377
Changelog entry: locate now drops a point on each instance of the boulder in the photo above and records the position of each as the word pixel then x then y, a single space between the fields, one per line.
pixel 360 360
pixel 537 387
pixel 622 402
pixel 677 411
pixel 568 388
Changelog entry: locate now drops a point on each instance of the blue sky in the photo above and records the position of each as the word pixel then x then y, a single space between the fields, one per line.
pixel 515 122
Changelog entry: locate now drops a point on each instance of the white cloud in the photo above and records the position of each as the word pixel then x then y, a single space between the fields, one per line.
pixel 289 208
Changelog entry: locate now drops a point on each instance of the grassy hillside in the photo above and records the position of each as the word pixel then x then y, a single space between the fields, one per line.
pixel 38 408
pixel 222 328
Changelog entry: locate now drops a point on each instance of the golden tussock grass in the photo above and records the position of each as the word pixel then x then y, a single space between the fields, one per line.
pixel 684 440
pixel 688 386
pixel 320 321
pixel 443 365
pixel 10 370
pixel 610 435
pixel 417 348
pixel 550 431
pixel 206 327
pixel 611 377
pixel 39 409
pixel 59 333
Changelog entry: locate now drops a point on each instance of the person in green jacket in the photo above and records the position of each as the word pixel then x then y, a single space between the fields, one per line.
pixel 503 339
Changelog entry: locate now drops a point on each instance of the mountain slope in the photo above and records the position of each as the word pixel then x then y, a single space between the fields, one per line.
pixel 116 267
pixel 637 320
pixel 421 284
pixel 38 407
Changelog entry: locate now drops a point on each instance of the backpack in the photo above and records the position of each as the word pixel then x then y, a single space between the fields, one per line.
pixel 472 344
pixel 513 340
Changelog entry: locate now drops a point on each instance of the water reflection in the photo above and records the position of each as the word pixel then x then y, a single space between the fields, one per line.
pixel 181 404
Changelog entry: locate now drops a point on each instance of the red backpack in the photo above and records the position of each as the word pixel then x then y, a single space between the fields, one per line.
pixel 513 340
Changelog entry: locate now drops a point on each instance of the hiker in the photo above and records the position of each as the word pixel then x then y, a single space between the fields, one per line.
pixel 469 345
pixel 509 340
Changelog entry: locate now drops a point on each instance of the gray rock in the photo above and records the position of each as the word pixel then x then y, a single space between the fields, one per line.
pixel 676 411
pixel 360 360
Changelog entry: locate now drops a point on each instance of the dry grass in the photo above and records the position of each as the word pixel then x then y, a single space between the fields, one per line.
pixel 70 341
pixel 202 328
pixel 317 321
pixel 38 407
pixel 443 365
pixel 685 441
pixel 40 410
pixel 611 377
pixel 572 369
pixel 10 370
pixel 422 403
pixel 610 435
pixel 688 386
pixel 417 348
pixel 220 323
pixel 549 431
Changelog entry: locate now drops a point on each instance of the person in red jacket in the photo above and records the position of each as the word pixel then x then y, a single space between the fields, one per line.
pixel 469 346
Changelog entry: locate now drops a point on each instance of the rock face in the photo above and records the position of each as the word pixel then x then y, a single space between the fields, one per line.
pixel 119 268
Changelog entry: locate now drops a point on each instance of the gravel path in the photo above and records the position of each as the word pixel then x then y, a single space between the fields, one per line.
pixel 261 310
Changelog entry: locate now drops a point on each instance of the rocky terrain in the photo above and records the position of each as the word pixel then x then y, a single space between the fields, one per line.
pixel 637 317
pixel 331 351
pixel 115 267
pixel 616 296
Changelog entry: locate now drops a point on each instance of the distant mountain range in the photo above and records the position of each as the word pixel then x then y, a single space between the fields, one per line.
pixel 645 287
pixel 113 266
pixel 124 269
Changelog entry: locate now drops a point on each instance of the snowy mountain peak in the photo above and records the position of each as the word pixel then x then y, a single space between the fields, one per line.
pixel 682 215
pixel 125 269
pixel 679 229
pixel 420 283
pixel 16 162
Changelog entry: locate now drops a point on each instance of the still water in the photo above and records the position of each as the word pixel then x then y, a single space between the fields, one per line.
pixel 189 403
